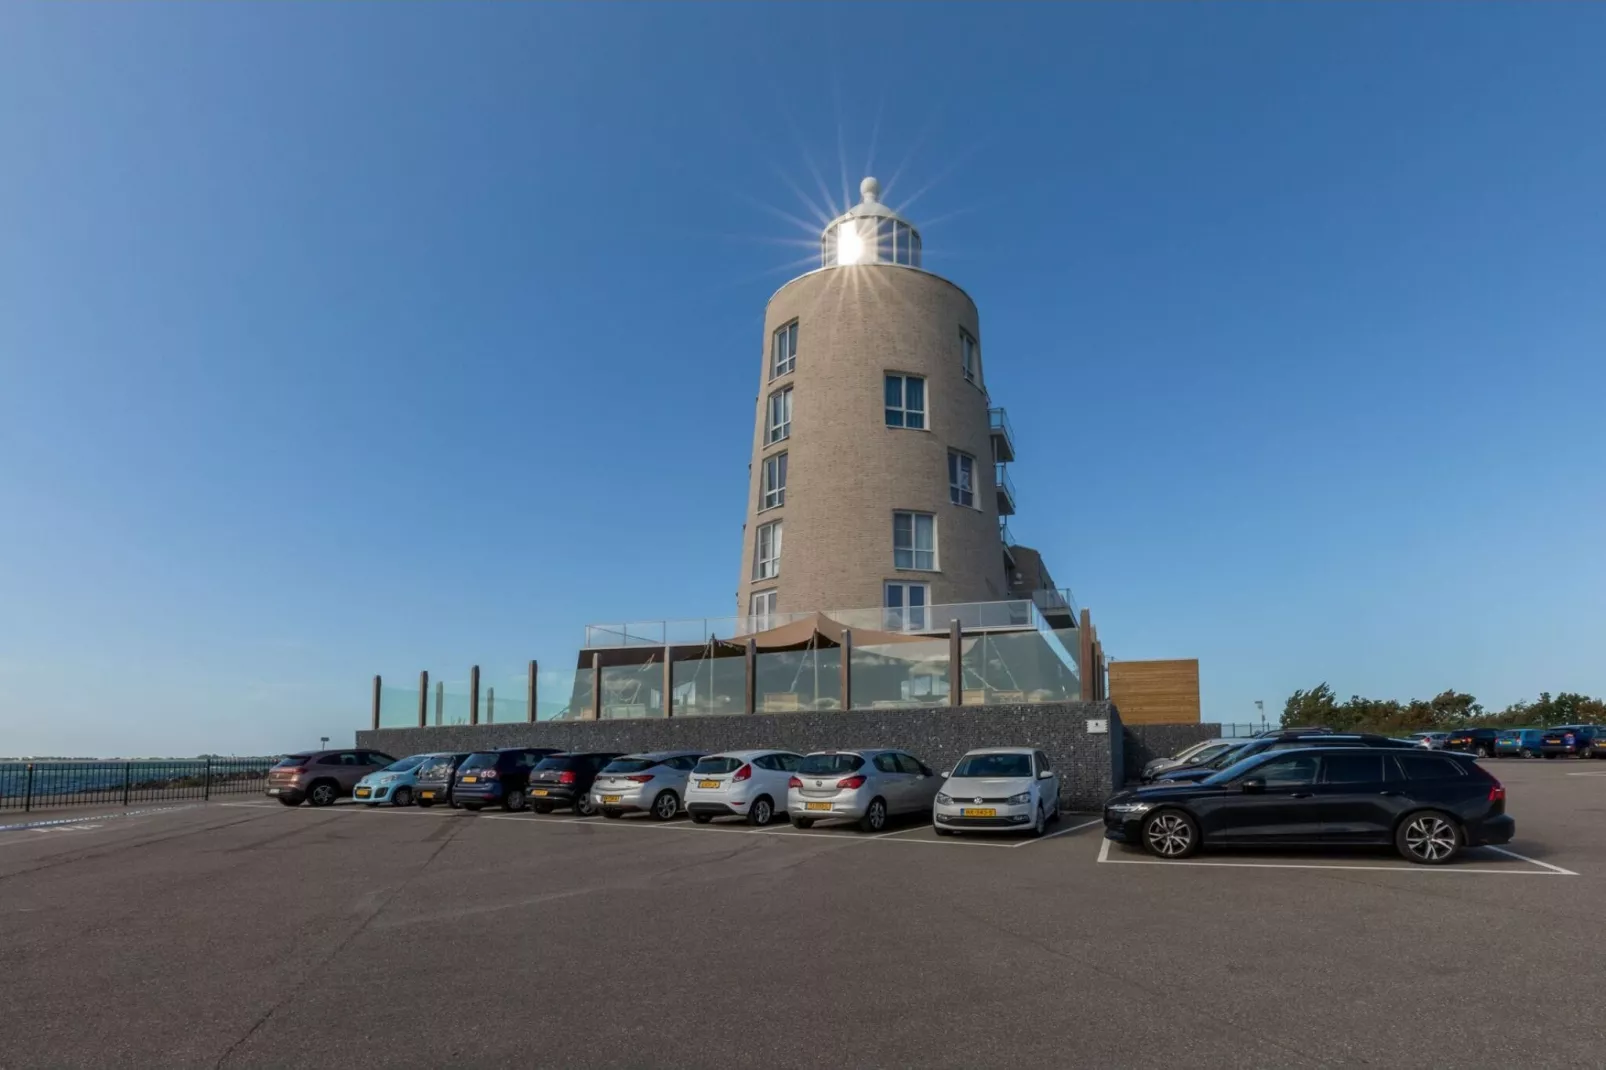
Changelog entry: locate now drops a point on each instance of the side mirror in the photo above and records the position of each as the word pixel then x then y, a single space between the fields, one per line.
pixel 946 773
pixel 1045 774
pixel 1253 786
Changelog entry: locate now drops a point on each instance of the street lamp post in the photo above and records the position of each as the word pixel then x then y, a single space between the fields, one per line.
pixel 1260 705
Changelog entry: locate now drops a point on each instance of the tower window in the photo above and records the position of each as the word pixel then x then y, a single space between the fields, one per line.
pixel 905 606
pixel 778 422
pixel 761 610
pixel 783 351
pixel 767 551
pixel 969 359
pixel 961 478
pixel 914 541
pixel 774 482
pixel 906 401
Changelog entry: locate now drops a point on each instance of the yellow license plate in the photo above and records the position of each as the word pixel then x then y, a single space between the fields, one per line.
pixel 708 783
pixel 470 779
pixel 609 800
pixel 426 795
pixel 816 806
pixel 363 793
pixel 986 812
pixel 538 791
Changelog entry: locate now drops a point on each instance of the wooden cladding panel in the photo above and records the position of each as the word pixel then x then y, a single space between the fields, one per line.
pixel 1156 692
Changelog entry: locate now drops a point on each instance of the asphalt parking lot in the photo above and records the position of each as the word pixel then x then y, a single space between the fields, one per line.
pixel 249 934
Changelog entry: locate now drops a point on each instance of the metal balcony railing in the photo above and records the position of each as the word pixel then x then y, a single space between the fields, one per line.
pixel 1003 435
pixel 1005 488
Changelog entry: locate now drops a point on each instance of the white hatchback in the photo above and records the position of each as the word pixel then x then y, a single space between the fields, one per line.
pixel 998 789
pixel 741 783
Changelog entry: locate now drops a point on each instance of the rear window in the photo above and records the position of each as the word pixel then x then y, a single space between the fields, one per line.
pixel 629 765
pixel 435 767
pixel 554 762
pixel 830 764
pixel 718 765
pixel 482 760
pixel 292 759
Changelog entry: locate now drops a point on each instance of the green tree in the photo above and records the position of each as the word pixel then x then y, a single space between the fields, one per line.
pixel 1314 707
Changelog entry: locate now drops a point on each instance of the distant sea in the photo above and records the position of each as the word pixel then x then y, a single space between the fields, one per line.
pixel 87 775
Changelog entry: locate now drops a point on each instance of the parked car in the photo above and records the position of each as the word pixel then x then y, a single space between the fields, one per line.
pixel 1285 741
pixel 320 777
pixel 1479 741
pixel 654 783
pixel 741 783
pixel 489 777
pixel 433 782
pixel 1429 806
pixel 1580 739
pixel 867 786
pixel 1010 789
pixel 1197 754
pixel 1429 740
pixel 565 779
pixel 1518 742
pixel 392 784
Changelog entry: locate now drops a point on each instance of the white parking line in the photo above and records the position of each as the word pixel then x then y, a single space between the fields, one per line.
pixel 1061 832
pixel 781 830
pixel 1548 871
pixel 1586 774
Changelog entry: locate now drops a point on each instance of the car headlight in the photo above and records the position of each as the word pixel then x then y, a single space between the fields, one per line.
pixel 387 780
pixel 1130 807
pixel 944 799
pixel 1019 800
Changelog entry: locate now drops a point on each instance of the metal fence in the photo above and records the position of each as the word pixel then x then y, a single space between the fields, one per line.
pixel 40 785
pixel 1244 731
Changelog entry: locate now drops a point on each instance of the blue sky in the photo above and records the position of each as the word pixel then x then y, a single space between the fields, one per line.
pixel 346 339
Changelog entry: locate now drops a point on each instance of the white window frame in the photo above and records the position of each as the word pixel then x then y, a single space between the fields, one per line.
pixel 772 482
pixel 913 549
pixel 960 482
pixel 783 350
pixel 969 357
pixel 778 417
pixel 902 408
pixel 905 616
pixel 767 551
pixel 761 609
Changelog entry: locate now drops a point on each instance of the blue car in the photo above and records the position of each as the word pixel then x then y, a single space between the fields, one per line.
pixel 392 784
pixel 1517 743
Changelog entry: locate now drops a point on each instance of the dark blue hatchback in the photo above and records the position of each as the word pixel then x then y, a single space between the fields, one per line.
pixel 496 777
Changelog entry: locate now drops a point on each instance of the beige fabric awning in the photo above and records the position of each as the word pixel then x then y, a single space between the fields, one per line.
pixel 820 630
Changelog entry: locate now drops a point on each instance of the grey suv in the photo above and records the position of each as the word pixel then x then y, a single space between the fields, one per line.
pixel 322 776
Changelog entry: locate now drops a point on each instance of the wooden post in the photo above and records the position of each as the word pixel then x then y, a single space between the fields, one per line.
pixel 751 690
pixel 490 705
pixel 669 680
pixel 956 665
pixel 474 695
pixel 596 687
pixel 423 698
pixel 847 668
pixel 1084 655
pixel 440 702
pixel 376 703
pixel 532 692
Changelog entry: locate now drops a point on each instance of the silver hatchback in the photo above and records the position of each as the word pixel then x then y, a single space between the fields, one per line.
pixel 654 783
pixel 867 786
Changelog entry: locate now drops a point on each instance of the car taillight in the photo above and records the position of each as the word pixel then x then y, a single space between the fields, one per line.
pixel 488 774
pixel 644 778
pixel 566 777
pixel 294 770
pixel 850 783
pixel 743 773
pixel 1497 792
pixel 794 783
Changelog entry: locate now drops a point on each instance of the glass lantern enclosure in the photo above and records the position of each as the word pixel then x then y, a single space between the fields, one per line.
pixel 869 239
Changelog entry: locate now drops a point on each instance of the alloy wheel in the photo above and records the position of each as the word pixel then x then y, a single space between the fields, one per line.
pixel 760 814
pixel 666 806
pixel 877 815
pixel 1169 835
pixel 583 807
pixel 323 795
pixel 1430 838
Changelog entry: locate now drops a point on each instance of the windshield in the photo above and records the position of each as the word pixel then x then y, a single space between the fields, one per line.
pixel 629 765
pixel 718 764
pixel 1235 770
pixel 1230 755
pixel 1215 750
pixel 406 765
pixel 994 765
pixel 830 764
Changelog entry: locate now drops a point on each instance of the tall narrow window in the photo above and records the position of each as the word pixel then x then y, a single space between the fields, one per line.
pixel 767 551
pixel 914 541
pixel 961 478
pixel 968 359
pixel 906 401
pixel 761 610
pixel 783 353
pixel 774 481
pixel 906 606
pixel 778 424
